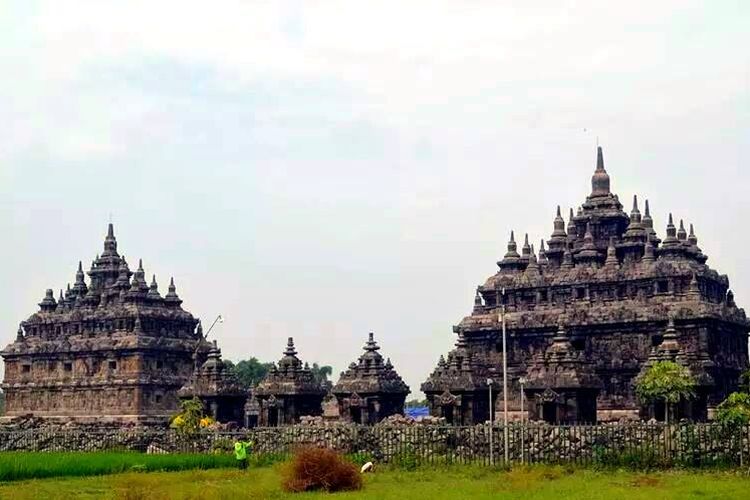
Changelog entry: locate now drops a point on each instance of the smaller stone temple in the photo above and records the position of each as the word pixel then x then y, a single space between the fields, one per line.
pixel 217 388
pixel 370 389
pixel 286 393
pixel 465 392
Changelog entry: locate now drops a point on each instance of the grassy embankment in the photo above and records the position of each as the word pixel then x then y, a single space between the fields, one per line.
pixel 29 465
pixel 454 483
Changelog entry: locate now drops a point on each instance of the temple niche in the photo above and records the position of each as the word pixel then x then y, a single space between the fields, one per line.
pixel 287 392
pixel 587 314
pixel 112 349
pixel 370 389
pixel 222 395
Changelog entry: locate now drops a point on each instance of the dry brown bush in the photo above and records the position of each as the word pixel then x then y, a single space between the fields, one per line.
pixel 320 469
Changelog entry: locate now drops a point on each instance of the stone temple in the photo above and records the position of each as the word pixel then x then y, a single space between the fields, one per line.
pixel 370 389
pixel 287 392
pixel 587 315
pixel 113 349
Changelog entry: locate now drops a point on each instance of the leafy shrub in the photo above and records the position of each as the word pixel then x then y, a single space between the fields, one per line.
pixel 191 418
pixel 320 469
pixel 735 410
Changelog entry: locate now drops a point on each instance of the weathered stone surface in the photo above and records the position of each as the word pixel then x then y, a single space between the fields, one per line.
pixel 587 316
pixel 110 350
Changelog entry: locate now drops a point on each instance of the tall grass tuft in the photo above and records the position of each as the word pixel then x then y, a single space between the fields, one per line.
pixel 33 465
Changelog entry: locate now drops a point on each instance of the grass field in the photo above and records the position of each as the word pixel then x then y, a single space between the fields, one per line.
pixel 28 465
pixel 455 483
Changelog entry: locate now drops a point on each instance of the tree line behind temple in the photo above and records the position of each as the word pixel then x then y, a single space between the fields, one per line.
pixel 251 371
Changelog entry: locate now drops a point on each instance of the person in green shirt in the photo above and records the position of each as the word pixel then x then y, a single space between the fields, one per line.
pixel 240 452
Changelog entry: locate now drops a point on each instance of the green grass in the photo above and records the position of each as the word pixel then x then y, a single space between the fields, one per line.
pixel 30 465
pixel 454 483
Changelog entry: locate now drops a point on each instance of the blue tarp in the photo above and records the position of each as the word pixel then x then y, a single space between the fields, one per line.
pixel 418 411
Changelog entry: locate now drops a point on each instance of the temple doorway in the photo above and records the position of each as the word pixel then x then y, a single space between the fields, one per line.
pixel 356 414
pixel 252 421
pixel 273 417
pixel 448 414
pixel 549 412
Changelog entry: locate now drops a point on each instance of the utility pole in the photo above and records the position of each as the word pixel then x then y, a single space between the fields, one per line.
pixel 522 381
pixel 492 451
pixel 505 381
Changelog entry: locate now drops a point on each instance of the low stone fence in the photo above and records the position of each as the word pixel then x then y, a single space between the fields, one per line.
pixel 640 445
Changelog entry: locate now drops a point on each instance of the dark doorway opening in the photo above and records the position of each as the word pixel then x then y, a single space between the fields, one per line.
pixel 356 413
pixel 273 417
pixel 448 414
pixel 549 412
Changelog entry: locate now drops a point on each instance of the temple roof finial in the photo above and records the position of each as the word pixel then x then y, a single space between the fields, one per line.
pixel 110 243
pixel 290 350
pixel 172 296
pixel 681 233
pixel 600 179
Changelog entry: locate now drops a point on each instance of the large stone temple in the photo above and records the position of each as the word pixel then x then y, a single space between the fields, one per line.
pixel 587 315
pixel 113 349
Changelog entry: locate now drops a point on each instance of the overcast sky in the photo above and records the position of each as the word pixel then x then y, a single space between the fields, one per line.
pixel 325 169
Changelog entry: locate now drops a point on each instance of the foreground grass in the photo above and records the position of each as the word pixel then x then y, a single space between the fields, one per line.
pixel 455 483
pixel 29 465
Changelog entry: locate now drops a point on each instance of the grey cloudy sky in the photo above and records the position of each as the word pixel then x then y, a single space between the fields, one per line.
pixel 323 169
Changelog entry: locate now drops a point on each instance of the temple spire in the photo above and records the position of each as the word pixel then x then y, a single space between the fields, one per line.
pixel 635 214
pixel 600 179
pixel 172 296
pixel 671 238
pixel 526 250
pixel 153 289
pixel 110 243
pixel 681 233
pixel 290 350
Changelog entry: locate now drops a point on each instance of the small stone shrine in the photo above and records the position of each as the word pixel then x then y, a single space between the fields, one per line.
pixel 287 392
pixel 217 388
pixel 370 389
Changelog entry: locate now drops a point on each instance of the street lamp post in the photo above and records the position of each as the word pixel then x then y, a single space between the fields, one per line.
pixel 505 380
pixel 492 451
pixel 219 319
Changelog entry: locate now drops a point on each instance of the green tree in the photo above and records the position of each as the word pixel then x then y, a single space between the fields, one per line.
pixel 735 410
pixel 321 373
pixel 665 381
pixel 249 371
pixel 416 403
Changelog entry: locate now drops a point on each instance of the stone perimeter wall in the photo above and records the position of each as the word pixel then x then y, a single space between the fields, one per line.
pixel 681 444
